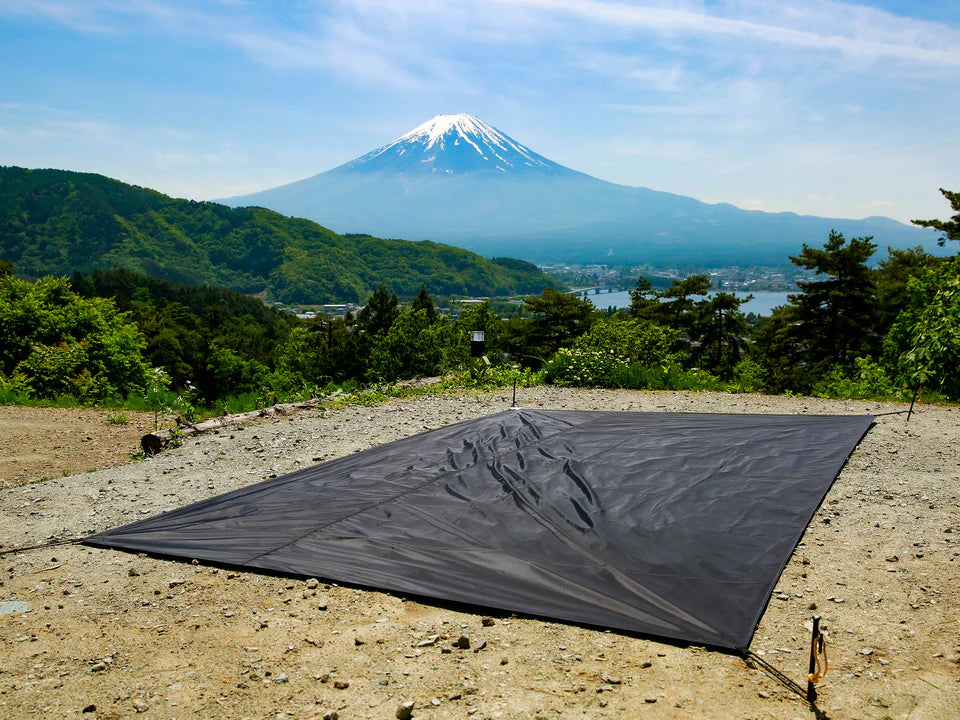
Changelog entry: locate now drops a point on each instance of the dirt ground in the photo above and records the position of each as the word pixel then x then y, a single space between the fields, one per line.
pixel 38 443
pixel 92 633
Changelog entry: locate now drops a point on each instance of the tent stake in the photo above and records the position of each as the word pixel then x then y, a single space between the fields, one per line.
pixel 811 687
pixel 514 393
pixel 916 390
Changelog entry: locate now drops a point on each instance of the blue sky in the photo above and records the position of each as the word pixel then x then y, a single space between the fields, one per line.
pixel 819 107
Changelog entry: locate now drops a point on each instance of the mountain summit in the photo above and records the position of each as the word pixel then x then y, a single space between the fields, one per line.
pixel 455 145
pixel 457 180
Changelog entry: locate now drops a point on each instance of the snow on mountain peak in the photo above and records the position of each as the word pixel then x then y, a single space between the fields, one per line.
pixel 453 145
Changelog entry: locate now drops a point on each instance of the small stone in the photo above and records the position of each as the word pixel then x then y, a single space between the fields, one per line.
pixel 487 621
pixel 405 710
pixel 893 558
pixel 177 583
pixel 650 700
pixel 133 572
pixel 312 583
pixel 462 642
pixel 281 679
pixel 331 715
pixel 763 694
pixel 341 684
pixel 90 708
pixel 866 651
pixel 99 667
pixel 140 706
pixel 646 664
pixel 322 605
pixel 357 641
pixel 602 703
pixel 612 679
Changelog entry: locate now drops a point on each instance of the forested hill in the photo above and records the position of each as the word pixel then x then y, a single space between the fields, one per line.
pixel 59 222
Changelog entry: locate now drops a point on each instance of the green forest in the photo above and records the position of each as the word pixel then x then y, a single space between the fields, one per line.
pixel 854 330
pixel 59 222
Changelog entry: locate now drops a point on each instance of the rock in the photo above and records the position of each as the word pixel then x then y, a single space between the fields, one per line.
pixel 763 694
pixel 405 710
pixel 281 679
pixel 98 667
pixel 90 708
pixel 462 642
pixel 612 679
pixel 357 641
pixel 650 700
pixel 331 715
pixel 341 684
pixel 322 605
pixel 133 572
pixel 487 621
pixel 177 583
pixel 312 583
pixel 140 706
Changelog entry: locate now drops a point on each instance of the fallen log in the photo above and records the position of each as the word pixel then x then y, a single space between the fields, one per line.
pixel 154 442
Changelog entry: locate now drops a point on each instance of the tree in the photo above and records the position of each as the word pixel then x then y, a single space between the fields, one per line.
pixel 831 321
pixel 679 306
pixel 924 343
pixel 722 334
pixel 643 300
pixel 424 302
pixel 950 228
pixel 378 314
pixel 891 278
pixel 54 342
pixel 558 319
pixel 6 268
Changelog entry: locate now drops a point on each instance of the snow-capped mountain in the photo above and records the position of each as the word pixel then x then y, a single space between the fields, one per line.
pixel 455 145
pixel 455 179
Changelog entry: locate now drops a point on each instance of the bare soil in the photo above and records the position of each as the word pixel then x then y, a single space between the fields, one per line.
pixel 92 633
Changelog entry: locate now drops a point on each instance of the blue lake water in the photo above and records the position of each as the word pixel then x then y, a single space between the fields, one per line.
pixel 762 303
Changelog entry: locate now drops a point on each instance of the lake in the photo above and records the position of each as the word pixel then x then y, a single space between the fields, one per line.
pixel 763 303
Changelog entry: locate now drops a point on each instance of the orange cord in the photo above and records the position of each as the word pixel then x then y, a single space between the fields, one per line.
pixel 818 648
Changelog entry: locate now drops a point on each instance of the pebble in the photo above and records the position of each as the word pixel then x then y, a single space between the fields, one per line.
pixel 405 710
pixel 462 642
pixel 341 684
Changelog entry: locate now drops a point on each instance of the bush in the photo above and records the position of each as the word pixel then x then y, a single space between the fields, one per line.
pixel 584 368
pixel 868 381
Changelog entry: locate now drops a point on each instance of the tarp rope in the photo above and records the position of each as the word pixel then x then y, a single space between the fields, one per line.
pixel 41 546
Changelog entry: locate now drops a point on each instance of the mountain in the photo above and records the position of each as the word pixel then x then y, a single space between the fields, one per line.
pixel 458 180
pixel 58 222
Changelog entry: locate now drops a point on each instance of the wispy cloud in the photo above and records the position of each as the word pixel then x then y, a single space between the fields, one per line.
pixel 853 30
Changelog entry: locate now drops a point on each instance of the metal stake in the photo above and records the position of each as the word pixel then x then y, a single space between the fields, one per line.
pixel 811 687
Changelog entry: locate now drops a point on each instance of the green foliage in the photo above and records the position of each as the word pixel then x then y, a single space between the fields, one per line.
pixel 558 319
pixel 54 342
pixel 54 221
pixel 636 341
pixel 117 419
pixel 412 346
pixel 580 367
pixel 830 322
pixel 867 381
pixel 950 228
pixel 923 345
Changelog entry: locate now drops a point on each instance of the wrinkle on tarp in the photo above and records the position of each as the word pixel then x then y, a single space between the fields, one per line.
pixel 667 524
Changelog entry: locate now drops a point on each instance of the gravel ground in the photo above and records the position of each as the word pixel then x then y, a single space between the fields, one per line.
pixel 104 634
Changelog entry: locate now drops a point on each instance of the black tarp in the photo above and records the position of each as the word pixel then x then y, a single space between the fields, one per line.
pixel 674 525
